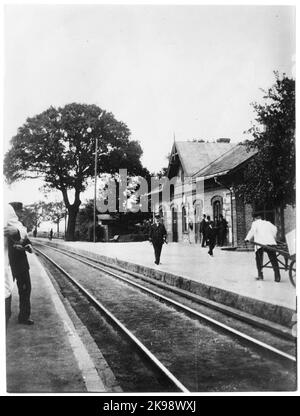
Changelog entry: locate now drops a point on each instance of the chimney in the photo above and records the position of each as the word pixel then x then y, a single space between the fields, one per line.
pixel 223 140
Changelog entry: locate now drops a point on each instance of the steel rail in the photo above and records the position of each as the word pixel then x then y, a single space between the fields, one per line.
pixel 233 332
pixel 122 327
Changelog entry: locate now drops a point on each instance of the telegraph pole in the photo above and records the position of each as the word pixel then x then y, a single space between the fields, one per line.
pixel 95 190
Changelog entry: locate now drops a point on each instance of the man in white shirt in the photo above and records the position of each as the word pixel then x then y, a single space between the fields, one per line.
pixel 264 232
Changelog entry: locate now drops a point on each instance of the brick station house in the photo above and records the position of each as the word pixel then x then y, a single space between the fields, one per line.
pixel 210 171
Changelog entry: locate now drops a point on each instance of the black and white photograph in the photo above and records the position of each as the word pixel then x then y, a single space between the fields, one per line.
pixel 148 202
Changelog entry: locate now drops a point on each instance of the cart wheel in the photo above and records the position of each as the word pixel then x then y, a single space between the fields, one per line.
pixel 292 273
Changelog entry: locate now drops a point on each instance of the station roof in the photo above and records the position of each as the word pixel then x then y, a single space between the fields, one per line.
pixel 194 156
pixel 228 161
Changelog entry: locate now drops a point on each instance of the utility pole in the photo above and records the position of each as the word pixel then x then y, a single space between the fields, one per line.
pixel 95 190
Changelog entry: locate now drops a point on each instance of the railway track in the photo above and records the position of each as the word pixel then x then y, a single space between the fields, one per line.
pixel 190 350
pixel 251 325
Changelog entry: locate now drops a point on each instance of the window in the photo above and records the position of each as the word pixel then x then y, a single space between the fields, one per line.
pixel 217 206
pixel 216 209
pixel 161 212
pixel 160 197
pixel 184 220
pixel 182 175
pixel 171 192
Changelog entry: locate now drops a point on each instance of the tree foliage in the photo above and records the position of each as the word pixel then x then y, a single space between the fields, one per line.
pixel 269 177
pixel 34 214
pixel 54 211
pixel 59 146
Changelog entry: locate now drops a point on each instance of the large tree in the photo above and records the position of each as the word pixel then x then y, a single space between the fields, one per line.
pixel 59 146
pixel 269 178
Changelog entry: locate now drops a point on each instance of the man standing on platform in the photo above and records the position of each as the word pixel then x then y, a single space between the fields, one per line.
pixel 264 232
pixel 18 244
pixel 211 235
pixel 203 230
pixel 11 226
pixel 223 226
pixel 157 236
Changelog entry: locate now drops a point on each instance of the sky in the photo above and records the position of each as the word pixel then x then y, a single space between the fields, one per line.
pixel 189 72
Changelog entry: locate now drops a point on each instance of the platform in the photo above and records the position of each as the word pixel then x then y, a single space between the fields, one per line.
pixel 227 277
pixel 49 356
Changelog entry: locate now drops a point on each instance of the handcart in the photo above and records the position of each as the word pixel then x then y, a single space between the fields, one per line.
pixel 286 261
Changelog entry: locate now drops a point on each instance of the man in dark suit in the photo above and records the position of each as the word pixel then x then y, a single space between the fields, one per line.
pixel 157 236
pixel 211 235
pixel 223 226
pixel 17 247
pixel 203 230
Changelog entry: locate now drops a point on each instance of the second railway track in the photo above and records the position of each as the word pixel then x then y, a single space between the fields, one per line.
pixel 196 352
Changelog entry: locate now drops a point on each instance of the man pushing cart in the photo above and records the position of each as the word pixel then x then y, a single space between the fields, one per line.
pixel 264 235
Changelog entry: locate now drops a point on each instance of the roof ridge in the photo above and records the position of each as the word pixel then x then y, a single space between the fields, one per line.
pixel 203 142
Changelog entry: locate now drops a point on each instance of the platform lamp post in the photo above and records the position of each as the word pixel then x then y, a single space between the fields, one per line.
pixel 95 189
pixel 66 213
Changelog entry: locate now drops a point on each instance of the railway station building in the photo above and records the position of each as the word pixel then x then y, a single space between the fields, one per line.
pixel 210 171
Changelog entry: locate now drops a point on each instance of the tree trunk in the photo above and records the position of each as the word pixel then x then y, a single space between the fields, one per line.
pixel 282 223
pixel 72 211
